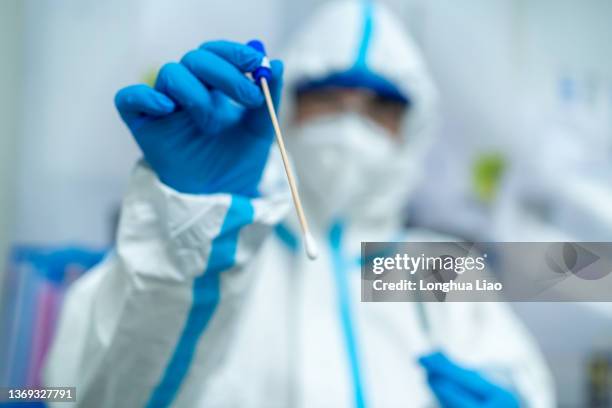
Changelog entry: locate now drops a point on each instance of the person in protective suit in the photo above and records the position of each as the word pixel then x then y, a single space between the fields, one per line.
pixel 208 299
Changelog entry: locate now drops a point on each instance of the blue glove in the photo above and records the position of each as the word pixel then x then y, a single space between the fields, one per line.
pixel 204 128
pixel 457 387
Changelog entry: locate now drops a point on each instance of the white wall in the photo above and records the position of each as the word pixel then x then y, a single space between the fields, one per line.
pixel 10 70
pixel 565 37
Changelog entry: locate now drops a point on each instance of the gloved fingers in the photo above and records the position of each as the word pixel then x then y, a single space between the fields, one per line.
pixel 245 58
pixel 258 119
pixel 227 112
pixel 450 395
pixel 222 74
pixel 436 361
pixel 440 365
pixel 136 101
pixel 177 82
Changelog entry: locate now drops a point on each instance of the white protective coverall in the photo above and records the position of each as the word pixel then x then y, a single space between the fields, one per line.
pixel 207 302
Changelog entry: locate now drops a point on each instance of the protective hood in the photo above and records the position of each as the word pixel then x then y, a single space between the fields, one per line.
pixel 361 39
pixel 362 36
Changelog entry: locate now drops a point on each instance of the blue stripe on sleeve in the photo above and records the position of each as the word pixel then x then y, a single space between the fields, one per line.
pixel 206 296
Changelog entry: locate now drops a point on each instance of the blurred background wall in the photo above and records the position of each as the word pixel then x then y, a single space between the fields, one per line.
pixel 499 66
pixel 526 102
pixel 10 83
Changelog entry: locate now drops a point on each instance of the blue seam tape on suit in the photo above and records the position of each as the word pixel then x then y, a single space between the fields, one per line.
pixel 206 296
pixel 339 263
pixel 341 266
pixel 287 237
pixel 364 45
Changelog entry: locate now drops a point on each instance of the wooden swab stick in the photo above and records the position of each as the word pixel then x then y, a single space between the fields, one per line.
pixel 261 76
pixel 309 242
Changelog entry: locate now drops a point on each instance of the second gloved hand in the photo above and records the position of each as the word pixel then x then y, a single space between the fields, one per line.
pixel 458 387
pixel 204 129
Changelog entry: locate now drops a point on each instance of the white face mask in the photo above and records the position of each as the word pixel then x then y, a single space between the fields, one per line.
pixel 347 163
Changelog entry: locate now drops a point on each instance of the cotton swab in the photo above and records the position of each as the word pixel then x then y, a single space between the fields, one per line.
pixel 261 76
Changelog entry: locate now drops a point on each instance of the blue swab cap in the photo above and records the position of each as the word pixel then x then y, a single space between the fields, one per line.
pixel 264 70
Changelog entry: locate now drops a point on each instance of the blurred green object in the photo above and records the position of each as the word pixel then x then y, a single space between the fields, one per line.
pixel 599 376
pixel 150 77
pixel 487 171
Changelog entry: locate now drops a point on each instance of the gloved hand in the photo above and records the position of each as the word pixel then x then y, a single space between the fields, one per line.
pixel 204 128
pixel 458 387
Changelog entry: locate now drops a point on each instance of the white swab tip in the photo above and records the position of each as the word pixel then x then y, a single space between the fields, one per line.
pixel 310 245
